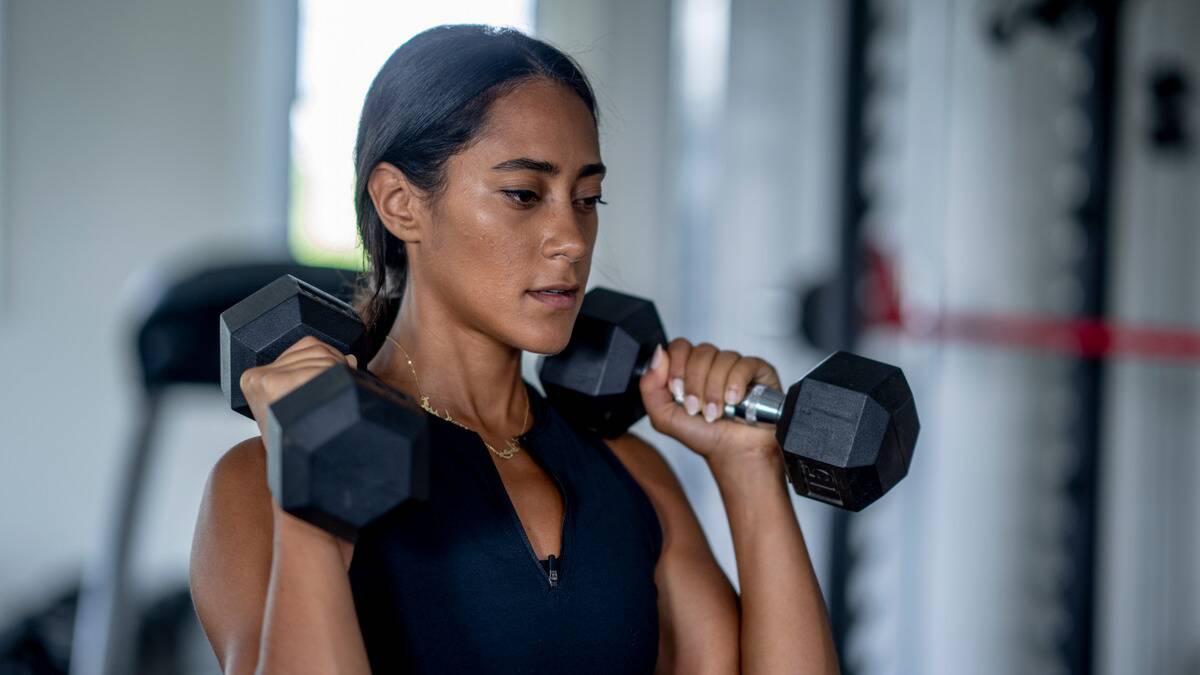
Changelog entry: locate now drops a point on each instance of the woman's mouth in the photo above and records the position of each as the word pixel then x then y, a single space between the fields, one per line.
pixel 559 299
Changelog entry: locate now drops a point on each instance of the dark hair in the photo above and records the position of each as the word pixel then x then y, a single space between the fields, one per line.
pixel 428 102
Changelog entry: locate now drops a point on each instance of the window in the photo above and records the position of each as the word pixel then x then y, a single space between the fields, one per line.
pixel 340 48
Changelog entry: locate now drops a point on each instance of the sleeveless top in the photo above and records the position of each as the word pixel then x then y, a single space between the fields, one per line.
pixel 451 584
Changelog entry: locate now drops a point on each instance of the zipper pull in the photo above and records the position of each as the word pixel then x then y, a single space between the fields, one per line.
pixel 553 571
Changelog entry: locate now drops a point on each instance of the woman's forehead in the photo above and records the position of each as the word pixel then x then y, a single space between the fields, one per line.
pixel 544 121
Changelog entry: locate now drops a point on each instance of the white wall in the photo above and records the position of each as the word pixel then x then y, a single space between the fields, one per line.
pixel 1150 611
pixel 992 427
pixel 3 107
pixel 135 132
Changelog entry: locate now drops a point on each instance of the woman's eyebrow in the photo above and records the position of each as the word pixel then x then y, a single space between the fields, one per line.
pixel 542 166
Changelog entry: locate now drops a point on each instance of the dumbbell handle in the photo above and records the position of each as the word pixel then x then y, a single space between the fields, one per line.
pixel 761 405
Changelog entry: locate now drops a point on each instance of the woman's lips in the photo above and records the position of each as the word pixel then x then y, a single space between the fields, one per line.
pixel 564 300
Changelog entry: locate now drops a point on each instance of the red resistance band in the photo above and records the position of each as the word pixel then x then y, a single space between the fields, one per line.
pixel 1079 336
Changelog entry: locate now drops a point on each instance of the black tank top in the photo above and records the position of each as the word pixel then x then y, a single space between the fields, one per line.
pixel 452 585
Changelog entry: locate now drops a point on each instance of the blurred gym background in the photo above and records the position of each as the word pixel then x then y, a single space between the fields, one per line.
pixel 1001 196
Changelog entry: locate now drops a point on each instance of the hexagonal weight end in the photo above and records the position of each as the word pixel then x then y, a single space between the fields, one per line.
pixel 593 381
pixel 257 330
pixel 346 450
pixel 848 430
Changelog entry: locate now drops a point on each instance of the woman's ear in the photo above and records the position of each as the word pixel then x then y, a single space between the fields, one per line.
pixel 399 204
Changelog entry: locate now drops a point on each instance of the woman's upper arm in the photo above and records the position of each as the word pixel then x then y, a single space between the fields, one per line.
pixel 697 606
pixel 231 555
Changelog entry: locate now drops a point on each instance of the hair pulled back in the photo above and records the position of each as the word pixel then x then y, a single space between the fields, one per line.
pixel 428 102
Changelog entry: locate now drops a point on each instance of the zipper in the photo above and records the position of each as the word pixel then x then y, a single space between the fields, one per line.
pixel 552 575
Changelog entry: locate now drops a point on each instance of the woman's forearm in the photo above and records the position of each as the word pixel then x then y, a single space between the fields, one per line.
pixel 784 625
pixel 309 623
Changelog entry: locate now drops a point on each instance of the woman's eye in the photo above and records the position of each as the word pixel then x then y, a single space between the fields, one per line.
pixel 529 197
pixel 521 196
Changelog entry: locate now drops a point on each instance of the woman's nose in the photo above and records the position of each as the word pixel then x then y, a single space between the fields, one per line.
pixel 565 236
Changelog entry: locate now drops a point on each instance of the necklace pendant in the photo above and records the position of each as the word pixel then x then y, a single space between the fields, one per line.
pixel 510 449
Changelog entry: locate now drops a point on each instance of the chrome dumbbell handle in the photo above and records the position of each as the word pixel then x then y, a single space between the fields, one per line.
pixel 761 405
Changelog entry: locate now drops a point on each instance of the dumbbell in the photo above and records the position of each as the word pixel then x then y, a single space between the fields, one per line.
pixel 345 448
pixel 847 429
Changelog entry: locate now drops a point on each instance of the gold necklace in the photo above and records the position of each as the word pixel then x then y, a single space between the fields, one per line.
pixel 510 447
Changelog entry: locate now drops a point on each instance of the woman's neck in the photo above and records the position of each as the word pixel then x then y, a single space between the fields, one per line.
pixel 472 376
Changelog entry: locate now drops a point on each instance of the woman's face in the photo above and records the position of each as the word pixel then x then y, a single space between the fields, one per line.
pixel 518 214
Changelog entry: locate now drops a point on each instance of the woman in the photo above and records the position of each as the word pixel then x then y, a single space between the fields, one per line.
pixel 479 174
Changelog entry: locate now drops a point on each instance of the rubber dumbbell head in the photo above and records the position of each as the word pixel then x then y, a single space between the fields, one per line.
pixel 349 450
pixel 848 430
pixel 257 330
pixel 594 381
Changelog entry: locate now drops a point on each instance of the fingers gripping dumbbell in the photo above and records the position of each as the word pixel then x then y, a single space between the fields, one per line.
pixel 847 429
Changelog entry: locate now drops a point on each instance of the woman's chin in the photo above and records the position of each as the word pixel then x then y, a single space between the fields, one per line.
pixel 546 344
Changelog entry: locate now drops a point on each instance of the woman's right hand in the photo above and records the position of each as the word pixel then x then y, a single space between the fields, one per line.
pixel 264 385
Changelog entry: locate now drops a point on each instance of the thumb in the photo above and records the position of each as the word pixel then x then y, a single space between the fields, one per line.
pixel 353 360
pixel 656 396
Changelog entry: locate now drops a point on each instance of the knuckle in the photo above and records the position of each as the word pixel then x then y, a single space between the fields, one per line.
pixel 309 342
pixel 301 344
pixel 679 348
pixel 729 358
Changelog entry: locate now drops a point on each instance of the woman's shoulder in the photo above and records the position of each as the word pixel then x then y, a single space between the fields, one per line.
pixel 236 507
pixel 237 483
pixel 231 550
pixel 242 462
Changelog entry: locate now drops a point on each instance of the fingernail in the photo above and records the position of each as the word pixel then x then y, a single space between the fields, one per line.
pixel 691 404
pixel 731 396
pixel 677 388
pixel 657 360
pixel 710 412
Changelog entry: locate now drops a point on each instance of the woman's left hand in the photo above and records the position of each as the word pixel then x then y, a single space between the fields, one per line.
pixel 707 378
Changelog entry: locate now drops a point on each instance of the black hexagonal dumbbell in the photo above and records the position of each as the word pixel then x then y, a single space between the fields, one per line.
pixel 847 429
pixel 345 448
